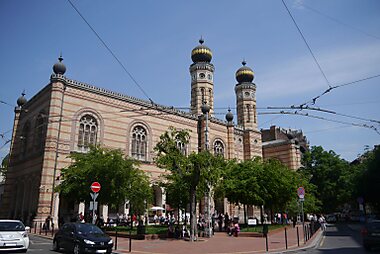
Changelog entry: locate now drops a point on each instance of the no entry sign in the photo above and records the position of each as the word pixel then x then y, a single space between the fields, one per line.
pixel 95 187
pixel 301 192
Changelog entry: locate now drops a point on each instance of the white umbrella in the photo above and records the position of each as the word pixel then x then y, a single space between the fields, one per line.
pixel 156 208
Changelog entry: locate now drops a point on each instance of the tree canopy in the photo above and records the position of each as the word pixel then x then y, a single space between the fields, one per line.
pixel 329 174
pixel 367 174
pixel 190 175
pixel 119 177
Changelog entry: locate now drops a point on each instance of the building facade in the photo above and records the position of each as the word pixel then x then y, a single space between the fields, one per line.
pixel 285 145
pixel 67 116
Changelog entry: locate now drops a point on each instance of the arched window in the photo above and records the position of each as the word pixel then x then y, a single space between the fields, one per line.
pixel 39 139
pixel 182 147
pixel 139 143
pixel 24 138
pixel 88 130
pixel 218 148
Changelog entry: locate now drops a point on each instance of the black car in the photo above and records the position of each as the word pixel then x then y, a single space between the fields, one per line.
pixel 82 238
pixel 371 234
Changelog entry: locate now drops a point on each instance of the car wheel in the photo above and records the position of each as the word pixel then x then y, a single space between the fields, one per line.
pixel 23 251
pixel 56 246
pixel 76 249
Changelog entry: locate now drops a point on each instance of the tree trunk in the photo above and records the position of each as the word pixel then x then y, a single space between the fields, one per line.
pixel 193 215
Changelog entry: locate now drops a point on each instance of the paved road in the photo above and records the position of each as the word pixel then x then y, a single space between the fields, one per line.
pixel 41 245
pixel 340 239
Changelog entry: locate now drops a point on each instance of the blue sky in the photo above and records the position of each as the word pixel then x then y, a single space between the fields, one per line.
pixel 154 39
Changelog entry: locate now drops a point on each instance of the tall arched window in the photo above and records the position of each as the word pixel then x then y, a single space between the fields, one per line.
pixel 139 143
pixel 24 138
pixel 182 147
pixel 39 132
pixel 218 148
pixel 88 130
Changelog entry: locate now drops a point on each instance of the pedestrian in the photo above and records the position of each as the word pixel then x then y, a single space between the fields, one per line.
pixel 322 222
pixel 47 223
pixel 226 221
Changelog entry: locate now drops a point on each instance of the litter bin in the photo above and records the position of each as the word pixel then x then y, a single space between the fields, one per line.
pixel 265 229
pixel 141 229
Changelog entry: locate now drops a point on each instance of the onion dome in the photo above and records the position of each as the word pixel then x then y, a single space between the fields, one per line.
pixel 201 53
pixel 229 116
pixel 59 68
pixel 244 74
pixel 205 108
pixel 22 100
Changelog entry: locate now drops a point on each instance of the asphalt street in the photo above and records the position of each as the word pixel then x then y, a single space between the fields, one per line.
pixel 340 239
pixel 41 245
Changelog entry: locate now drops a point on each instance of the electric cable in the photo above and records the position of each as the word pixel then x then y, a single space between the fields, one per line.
pixel 307 44
pixel 321 118
pixel 313 100
pixel 111 52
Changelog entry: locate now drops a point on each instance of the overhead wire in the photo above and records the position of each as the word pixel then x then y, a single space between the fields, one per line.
pixel 6 103
pixel 307 44
pixel 111 52
pixel 321 118
pixel 313 100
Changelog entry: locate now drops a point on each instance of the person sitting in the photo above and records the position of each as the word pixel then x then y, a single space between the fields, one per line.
pixel 236 229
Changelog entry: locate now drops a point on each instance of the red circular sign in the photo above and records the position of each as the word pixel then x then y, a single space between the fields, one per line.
pixel 301 192
pixel 95 187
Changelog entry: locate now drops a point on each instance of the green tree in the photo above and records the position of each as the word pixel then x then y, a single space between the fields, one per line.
pixel 328 173
pixel 194 174
pixel 368 178
pixel 119 177
pixel 4 165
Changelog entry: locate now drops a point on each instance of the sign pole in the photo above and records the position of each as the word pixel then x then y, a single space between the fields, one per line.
pixel 93 209
pixel 95 187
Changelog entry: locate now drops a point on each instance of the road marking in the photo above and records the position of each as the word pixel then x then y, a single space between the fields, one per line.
pixel 323 239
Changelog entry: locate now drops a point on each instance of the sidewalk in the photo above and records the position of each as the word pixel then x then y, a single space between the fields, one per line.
pixel 221 243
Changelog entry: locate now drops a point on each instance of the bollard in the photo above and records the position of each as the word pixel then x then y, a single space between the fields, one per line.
pixel 52 229
pixel 40 228
pixel 130 239
pixel 35 228
pixel 266 242
pixel 298 238
pixel 286 239
pixel 116 238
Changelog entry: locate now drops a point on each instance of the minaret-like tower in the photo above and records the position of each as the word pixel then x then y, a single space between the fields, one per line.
pixel 246 111
pixel 202 79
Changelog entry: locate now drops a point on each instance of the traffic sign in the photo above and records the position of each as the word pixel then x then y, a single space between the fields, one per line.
pixel 301 192
pixel 95 187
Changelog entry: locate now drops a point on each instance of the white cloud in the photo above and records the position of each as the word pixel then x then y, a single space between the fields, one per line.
pixel 301 75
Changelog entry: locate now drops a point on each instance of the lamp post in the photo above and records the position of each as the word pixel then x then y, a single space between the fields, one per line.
pixel 205 110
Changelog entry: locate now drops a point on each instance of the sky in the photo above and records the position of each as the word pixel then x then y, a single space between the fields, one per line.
pixel 153 39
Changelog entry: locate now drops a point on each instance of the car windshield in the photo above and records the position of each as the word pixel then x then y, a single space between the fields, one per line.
pixel 88 229
pixel 11 226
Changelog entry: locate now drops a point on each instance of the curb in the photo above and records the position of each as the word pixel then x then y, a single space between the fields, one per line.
pixel 313 245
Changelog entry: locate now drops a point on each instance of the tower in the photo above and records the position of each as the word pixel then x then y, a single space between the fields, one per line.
pixel 202 79
pixel 246 111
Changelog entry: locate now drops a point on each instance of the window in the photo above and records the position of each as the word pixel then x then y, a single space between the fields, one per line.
pixel 88 129
pixel 218 148
pixel 139 143
pixel 181 147
pixel 39 138
pixel 24 139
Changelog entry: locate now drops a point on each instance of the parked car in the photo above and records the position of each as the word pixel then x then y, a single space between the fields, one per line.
pixel 82 238
pixel 331 218
pixel 13 236
pixel 371 234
